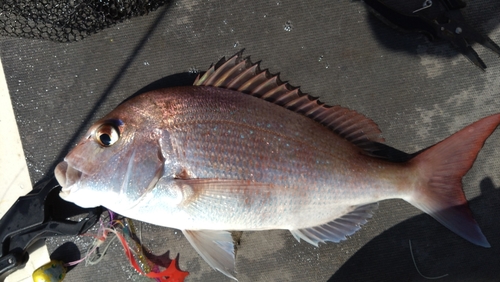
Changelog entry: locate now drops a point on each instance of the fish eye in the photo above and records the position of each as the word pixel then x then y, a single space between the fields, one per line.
pixel 106 135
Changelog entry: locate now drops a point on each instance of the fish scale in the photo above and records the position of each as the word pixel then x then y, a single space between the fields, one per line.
pixel 261 155
pixel 309 165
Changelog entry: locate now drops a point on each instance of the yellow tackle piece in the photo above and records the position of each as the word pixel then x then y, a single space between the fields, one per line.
pixel 54 271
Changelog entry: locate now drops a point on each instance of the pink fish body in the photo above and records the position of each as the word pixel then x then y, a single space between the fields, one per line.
pixel 240 150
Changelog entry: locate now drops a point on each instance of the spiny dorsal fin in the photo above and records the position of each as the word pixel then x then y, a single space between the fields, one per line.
pixel 240 74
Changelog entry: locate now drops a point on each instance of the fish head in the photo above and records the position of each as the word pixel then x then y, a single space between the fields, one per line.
pixel 114 164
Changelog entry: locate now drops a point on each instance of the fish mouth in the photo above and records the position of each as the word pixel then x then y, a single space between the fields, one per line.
pixel 67 176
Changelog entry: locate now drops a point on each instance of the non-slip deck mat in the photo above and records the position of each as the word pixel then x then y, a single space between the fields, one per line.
pixel 417 91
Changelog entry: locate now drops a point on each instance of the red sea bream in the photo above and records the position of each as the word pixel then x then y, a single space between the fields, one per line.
pixel 240 150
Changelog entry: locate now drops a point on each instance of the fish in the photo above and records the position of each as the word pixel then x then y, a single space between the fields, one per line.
pixel 240 150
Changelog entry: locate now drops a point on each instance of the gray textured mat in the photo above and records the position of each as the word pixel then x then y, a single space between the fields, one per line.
pixel 418 92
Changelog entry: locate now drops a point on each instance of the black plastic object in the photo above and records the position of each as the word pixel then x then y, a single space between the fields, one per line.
pixel 38 215
pixel 438 19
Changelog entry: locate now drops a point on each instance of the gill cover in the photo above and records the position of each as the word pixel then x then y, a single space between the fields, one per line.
pixel 114 162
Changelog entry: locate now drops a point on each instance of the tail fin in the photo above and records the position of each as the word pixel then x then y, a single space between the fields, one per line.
pixel 443 166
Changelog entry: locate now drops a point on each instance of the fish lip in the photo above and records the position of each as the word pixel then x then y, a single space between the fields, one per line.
pixel 67 176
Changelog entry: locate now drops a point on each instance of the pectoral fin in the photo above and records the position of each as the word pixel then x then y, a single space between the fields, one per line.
pixel 338 229
pixel 209 192
pixel 215 247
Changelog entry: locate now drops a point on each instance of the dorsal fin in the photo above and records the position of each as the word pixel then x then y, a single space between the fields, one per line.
pixel 240 74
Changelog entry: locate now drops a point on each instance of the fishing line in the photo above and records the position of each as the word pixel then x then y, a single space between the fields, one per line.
pixel 416 267
pixel 100 256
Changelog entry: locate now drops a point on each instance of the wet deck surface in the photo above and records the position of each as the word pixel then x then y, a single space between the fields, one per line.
pixel 417 91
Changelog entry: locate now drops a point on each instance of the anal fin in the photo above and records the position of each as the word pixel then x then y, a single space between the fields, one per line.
pixel 215 247
pixel 336 230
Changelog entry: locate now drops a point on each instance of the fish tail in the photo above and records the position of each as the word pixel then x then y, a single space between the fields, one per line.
pixel 441 167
